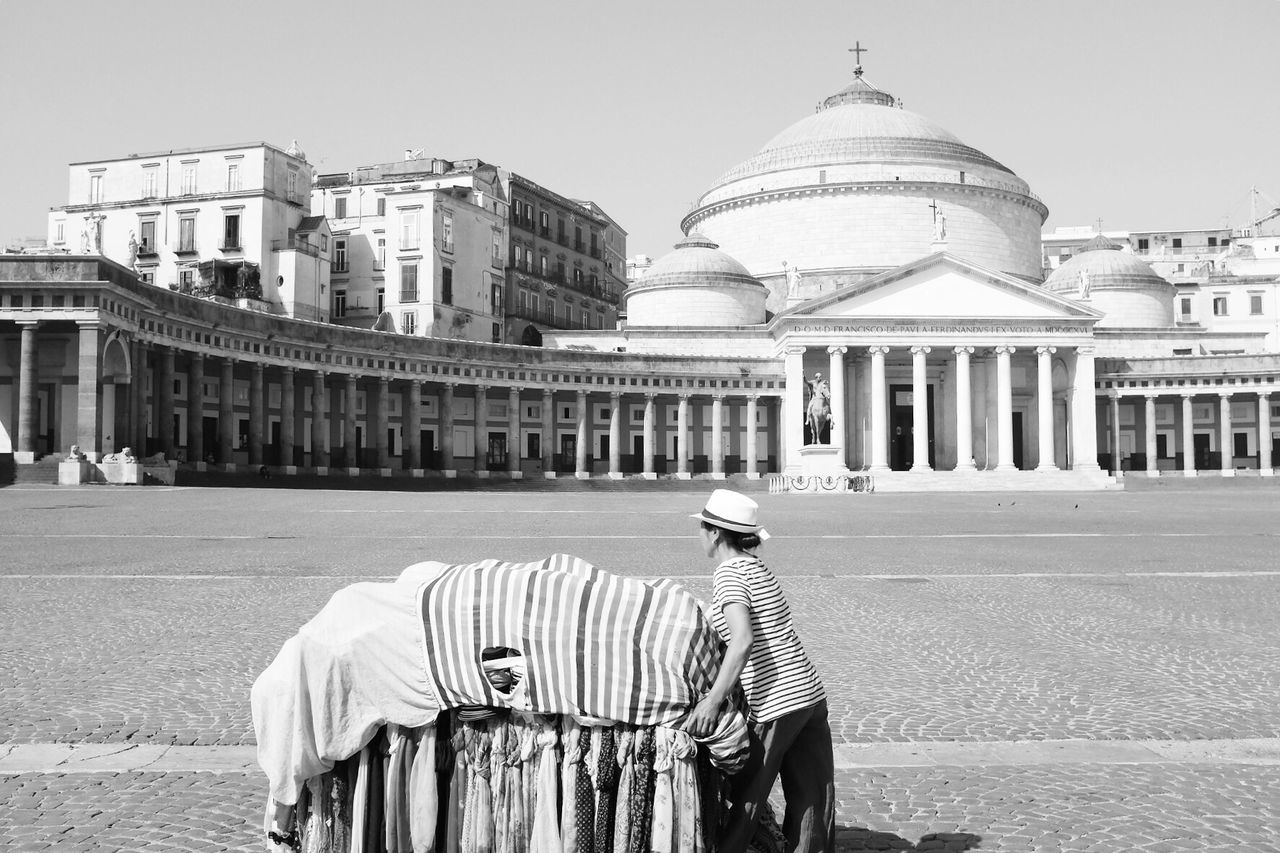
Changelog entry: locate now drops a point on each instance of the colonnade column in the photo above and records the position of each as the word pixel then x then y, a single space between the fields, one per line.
pixel 1227 454
pixel 1149 433
pixel 446 430
pixel 615 435
pixel 350 402
pixel 88 393
pixel 548 434
pixel 288 420
pixel 1044 406
pixel 839 429
pixel 717 437
pixel 650 439
pixel 195 410
pixel 256 414
pixel 964 411
pixel 1188 438
pixel 480 446
pixel 1264 435
pixel 412 427
pixel 919 410
pixel 1004 408
pixel 28 395
pixel 138 399
pixel 752 449
pixel 580 445
pixel 879 411
pixel 226 413
pixel 319 434
pixel 1115 434
pixel 1084 414
pixel 164 426
pixel 380 423
pixel 793 421
pixel 513 434
pixel 682 438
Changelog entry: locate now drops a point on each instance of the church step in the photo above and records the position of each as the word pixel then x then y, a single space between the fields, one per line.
pixel 993 481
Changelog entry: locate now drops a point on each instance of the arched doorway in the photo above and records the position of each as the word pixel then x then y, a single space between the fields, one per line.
pixel 531 337
pixel 117 374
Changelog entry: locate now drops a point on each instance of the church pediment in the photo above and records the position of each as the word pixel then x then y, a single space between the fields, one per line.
pixel 942 287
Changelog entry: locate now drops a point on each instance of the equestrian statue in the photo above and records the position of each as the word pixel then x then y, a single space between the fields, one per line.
pixel 819 408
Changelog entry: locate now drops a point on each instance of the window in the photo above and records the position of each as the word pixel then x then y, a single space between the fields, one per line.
pixel 595 247
pixel 149 181
pixel 187 234
pixel 1177 242
pixel 577 278
pixel 188 178
pixel 60 232
pixel 560 230
pixel 1213 241
pixel 544 220
pixel 544 269
pixel 382 299
pixel 382 207
pixel 409 322
pixel 233 177
pixel 147 237
pixel 380 260
pixel 599 321
pixel 409 282
pixel 339 303
pixel 1185 308
pixel 533 303
pixel 1144 244
pixel 339 254
pixel 497 333
pixel 446 232
pixel 446 285
pixel 95 188
pixel 231 231
pixel 324 242
pixel 149 277
pixel 1255 303
pixel 497 249
pixel 568 316
pixel 293 184
pixel 340 207
pixel 528 259
pixel 408 229
pixel 186 279
pixel 523 300
pixel 559 270
pixel 496 295
pixel 1220 306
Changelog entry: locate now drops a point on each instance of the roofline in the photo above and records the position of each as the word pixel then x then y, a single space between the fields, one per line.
pixel 199 150
pixel 554 196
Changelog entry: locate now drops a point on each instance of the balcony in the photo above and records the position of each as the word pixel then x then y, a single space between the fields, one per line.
pixel 599 291
pixel 186 249
pixel 296 244
pixel 543 316
pixel 337 267
pixel 230 245
pixel 147 250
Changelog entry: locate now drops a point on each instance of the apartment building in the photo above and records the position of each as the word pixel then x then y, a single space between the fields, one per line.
pixel 228 222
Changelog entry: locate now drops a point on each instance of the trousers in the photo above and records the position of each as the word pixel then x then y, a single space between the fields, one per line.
pixel 797 747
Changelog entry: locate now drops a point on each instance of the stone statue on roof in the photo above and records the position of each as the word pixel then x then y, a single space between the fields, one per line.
pixel 1085 284
pixel 793 280
pixel 939 225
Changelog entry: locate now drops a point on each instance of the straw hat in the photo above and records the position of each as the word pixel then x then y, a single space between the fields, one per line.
pixel 732 511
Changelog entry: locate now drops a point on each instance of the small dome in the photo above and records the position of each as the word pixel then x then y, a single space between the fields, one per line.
pixel 1124 287
pixel 860 92
pixel 696 284
pixel 294 150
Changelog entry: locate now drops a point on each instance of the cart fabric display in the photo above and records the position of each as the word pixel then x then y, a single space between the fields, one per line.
pixel 496 708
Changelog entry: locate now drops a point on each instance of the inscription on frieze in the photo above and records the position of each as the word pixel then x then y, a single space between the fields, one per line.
pixel 945 328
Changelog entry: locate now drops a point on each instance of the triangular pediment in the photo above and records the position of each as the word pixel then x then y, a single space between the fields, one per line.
pixel 942 286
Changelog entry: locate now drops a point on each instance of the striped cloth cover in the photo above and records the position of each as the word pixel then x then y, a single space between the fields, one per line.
pixel 594 644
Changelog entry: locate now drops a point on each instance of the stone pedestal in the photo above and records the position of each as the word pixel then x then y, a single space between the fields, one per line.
pixel 822 460
pixel 122 473
pixel 75 472
pixel 24 457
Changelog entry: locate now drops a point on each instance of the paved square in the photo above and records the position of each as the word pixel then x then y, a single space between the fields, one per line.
pixel 1056 672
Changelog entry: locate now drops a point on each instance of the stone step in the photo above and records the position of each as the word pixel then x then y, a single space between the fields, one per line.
pixel 993 481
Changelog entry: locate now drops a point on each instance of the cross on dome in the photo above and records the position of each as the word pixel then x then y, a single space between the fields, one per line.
pixel 857 50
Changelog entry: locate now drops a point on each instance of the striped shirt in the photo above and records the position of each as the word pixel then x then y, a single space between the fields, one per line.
pixel 779 677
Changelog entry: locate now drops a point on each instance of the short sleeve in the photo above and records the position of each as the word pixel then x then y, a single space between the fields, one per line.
pixel 729 586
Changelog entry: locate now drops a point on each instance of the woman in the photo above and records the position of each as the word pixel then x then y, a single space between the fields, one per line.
pixel 788 707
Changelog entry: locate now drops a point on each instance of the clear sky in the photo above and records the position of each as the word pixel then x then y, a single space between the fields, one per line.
pixel 1146 113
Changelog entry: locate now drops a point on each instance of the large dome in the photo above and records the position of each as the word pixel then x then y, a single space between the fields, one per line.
pixel 1125 288
pixel 854 190
pixel 696 284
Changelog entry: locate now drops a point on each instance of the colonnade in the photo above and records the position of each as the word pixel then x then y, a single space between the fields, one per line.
pixel 1219 430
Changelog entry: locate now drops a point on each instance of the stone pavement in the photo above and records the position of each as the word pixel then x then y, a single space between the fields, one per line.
pixel 1092 672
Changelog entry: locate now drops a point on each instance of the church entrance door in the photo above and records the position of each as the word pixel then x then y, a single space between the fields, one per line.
pixel 901 425
pixel 1017 442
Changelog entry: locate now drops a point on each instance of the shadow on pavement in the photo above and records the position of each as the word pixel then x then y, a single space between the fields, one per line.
pixel 859 839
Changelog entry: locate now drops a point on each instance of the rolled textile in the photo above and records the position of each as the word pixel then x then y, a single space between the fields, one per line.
pixel 687 834
pixel 424 794
pixel 662 832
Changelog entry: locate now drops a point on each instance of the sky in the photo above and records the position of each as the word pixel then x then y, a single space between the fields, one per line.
pixel 1148 114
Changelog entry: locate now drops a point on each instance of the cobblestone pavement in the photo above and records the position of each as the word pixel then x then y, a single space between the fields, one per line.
pixel 143 615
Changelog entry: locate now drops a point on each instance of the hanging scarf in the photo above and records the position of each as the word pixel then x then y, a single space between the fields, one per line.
pixel 641 793
pixel 424 793
pixel 606 788
pixel 457 791
pixel 569 784
pixel 546 823
pixel 684 790
pixel 360 802
pixel 662 833
pixel 477 825
pixel 498 731
pixel 626 770
pixel 584 812
pixel 517 827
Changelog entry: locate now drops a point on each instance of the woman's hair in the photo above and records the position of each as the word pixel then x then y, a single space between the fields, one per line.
pixel 734 539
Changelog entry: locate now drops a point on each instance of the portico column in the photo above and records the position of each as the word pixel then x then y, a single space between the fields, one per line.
pixel 351 402
pixel 752 473
pixel 480 456
pixel 580 462
pixel 717 437
pixel 446 430
pixel 793 423
pixel 1188 438
pixel 28 394
pixel 226 414
pixel 256 414
pixel 548 434
pixel 1227 455
pixel 1115 434
pixel 164 431
pixel 964 411
pixel 1149 432
pixel 319 451
pixel 1084 414
pixel 879 411
pixel 1044 405
pixel 1264 435
pixel 682 438
pixel 381 417
pixel 411 426
pixel 919 409
pixel 137 399
pixel 195 410
pixel 1004 408
pixel 650 437
pixel 513 434
pixel 615 435
pixel 288 419
pixel 839 431
pixel 89 394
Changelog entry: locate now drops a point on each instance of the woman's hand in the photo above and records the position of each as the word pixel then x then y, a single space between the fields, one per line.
pixel 702 720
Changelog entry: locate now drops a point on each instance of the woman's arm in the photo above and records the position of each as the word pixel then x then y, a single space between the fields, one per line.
pixel 702 721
